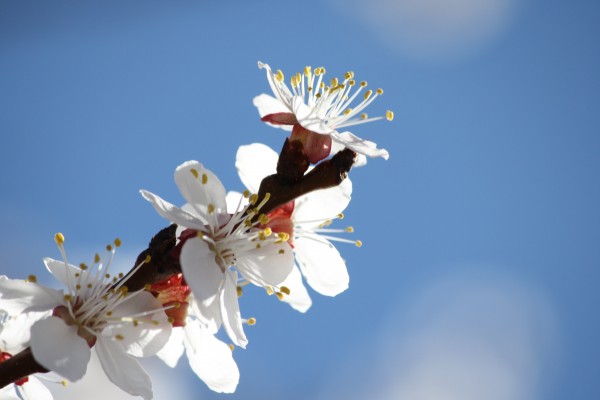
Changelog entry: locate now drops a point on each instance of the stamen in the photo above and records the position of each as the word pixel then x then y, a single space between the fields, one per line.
pixel 31 278
pixel 194 172
pixel 59 239
pixel 389 115
pixel 117 242
pixel 358 243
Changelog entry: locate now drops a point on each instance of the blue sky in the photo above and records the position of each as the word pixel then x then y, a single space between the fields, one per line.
pixel 479 273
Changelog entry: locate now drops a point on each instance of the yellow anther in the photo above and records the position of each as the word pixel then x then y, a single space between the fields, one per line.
pixel 96 258
pixel 323 70
pixel 77 287
pixel 64 383
pixel 251 321
pixel 231 347
pixel 147 259
pixel 294 81
pixel 347 111
pixel 349 229
pixel 114 279
pixel 84 266
pixel 118 336
pixel 109 313
pixel 204 179
pixel 340 216
pixel 281 251
pixel 264 219
pixel 368 94
pixel 334 82
pixel 177 305
pixel 108 247
pixel 349 75
pixel 59 238
pixel 279 75
pixel 363 83
pixel 248 222
pixel 358 243
pixel 117 242
pixel 240 291
pixel 364 116
pixel 121 275
pixel 279 295
pixel 135 322
pixel 285 289
pixel 269 290
pixel 253 199
pixel 194 172
pixel 267 231
pixel 351 82
pixel 283 236
pixel 155 322
pixel 318 95
pixel 389 115
pixel 258 246
pixel 67 297
pixel 200 234
pixel 171 320
pixel 211 208
pixel 246 194
pixel 107 276
pixel 77 274
pixel 32 278
pixel 380 91
pixel 307 71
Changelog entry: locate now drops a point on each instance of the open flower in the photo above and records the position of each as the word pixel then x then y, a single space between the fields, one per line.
pixel 222 252
pixel 315 107
pixel 97 312
pixel 310 215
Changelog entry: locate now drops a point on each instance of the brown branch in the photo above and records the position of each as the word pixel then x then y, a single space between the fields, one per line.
pixel 18 367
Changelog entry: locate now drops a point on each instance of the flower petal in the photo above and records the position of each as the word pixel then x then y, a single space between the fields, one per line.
pixel 57 347
pixel 254 162
pixel 122 369
pixel 148 334
pixel 316 207
pixel 17 296
pixel 173 350
pixel 298 298
pixel 200 187
pixel 235 202
pixel 321 265
pixel 15 332
pixel 268 266
pixel 201 272
pixel 64 273
pixel 267 104
pixel 210 359
pixel 172 212
pixel 230 310
pixel 361 146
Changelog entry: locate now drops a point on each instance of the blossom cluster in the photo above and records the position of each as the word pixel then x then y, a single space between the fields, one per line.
pixel 276 234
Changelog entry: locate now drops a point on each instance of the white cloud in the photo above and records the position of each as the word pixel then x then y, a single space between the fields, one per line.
pixel 432 30
pixel 462 339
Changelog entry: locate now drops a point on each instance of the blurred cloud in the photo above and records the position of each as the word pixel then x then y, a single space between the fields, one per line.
pixel 462 339
pixel 432 30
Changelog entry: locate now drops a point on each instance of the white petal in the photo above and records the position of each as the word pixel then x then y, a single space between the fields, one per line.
pixel 268 266
pixel 17 296
pixel 210 315
pixel 57 347
pixel 201 272
pixel 9 393
pixel 316 207
pixel 267 105
pixel 172 212
pixel 322 265
pixel 253 163
pixel 64 273
pixel 298 298
pixel 34 390
pixel 308 118
pixel 210 359
pixel 359 145
pixel 173 350
pixel 230 310
pixel 144 338
pixel 200 187
pixel 122 369
pixel 15 332
pixel 235 202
